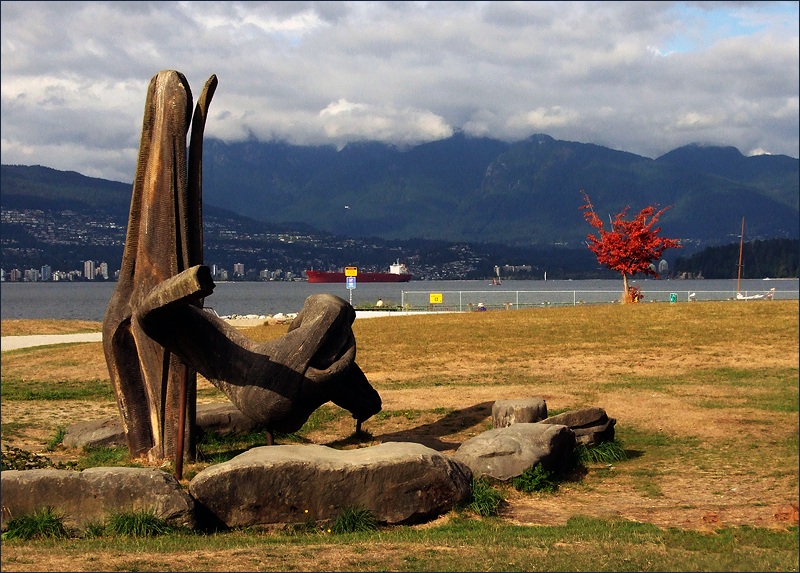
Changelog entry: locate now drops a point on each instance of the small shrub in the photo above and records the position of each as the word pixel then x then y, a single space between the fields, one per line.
pixel 41 524
pixel 14 458
pixel 535 478
pixel 353 520
pixel 484 499
pixel 604 452
pixel 142 523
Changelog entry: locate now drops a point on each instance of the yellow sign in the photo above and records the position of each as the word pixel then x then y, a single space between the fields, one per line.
pixel 351 271
pixel 436 298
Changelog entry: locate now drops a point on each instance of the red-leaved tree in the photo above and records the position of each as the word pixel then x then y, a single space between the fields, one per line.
pixel 630 247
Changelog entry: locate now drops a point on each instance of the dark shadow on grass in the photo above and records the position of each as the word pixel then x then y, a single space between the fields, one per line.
pixel 430 434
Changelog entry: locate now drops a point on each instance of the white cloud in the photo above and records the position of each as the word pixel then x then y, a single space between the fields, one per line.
pixel 644 77
pixel 344 121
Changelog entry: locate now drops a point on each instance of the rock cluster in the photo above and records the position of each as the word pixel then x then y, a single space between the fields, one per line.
pixel 398 482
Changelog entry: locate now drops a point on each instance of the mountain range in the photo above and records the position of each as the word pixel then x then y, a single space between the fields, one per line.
pixel 484 190
pixel 521 201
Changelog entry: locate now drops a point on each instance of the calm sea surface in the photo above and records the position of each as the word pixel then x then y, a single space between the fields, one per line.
pixel 87 301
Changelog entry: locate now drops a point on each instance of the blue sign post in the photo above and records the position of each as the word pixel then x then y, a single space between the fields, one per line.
pixel 351 284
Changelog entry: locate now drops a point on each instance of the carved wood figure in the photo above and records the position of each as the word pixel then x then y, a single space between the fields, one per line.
pixel 277 383
pixel 164 237
pixel 156 335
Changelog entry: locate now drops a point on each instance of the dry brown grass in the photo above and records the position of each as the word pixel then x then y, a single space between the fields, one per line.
pixel 705 392
pixel 18 327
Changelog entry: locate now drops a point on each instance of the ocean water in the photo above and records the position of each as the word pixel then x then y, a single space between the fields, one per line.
pixel 88 301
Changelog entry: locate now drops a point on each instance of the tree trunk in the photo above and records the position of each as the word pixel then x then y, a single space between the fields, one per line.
pixel 626 295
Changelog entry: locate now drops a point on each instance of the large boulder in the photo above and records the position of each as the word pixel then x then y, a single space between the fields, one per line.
pixel 397 482
pixel 591 425
pixel 505 453
pixel 91 495
pixel 222 418
pixel 521 410
pixel 105 433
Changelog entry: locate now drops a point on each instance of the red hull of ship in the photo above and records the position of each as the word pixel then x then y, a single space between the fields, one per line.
pixel 326 277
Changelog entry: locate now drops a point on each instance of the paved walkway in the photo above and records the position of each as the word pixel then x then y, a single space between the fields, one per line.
pixel 17 342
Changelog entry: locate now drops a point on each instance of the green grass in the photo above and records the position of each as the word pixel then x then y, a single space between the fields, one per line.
pixel 484 499
pixel 106 457
pixel 582 544
pixel 354 520
pixel 142 523
pixel 321 417
pixel 19 389
pixel 56 440
pixel 535 479
pixel 604 452
pixel 41 524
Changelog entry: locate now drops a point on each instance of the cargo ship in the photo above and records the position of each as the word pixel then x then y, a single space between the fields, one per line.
pixel 398 273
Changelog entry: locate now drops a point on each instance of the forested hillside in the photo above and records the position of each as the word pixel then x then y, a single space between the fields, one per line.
pixel 776 258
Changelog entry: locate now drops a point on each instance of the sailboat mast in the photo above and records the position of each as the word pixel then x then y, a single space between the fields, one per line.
pixel 741 246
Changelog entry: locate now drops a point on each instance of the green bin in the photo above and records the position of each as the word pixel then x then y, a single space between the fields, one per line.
pixel 673 297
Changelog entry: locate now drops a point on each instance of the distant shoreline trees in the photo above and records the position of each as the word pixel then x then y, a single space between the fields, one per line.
pixel 773 258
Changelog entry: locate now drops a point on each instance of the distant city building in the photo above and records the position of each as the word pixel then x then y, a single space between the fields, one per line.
pixel 510 269
pixel 47 273
pixel 104 270
pixel 663 267
pixel 89 270
pixel 238 270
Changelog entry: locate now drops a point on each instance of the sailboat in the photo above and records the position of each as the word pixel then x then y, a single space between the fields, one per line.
pixel 739 295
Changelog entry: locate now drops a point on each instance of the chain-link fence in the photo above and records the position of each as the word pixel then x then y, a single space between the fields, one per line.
pixel 461 300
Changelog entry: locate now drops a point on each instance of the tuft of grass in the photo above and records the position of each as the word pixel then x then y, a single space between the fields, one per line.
pixel 354 520
pixel 57 439
pixel 484 499
pixel 94 529
pixel 535 478
pixel 141 523
pixel 44 523
pixel 604 452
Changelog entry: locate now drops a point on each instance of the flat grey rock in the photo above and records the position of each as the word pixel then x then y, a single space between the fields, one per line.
pixel 398 482
pixel 505 453
pixel 92 495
